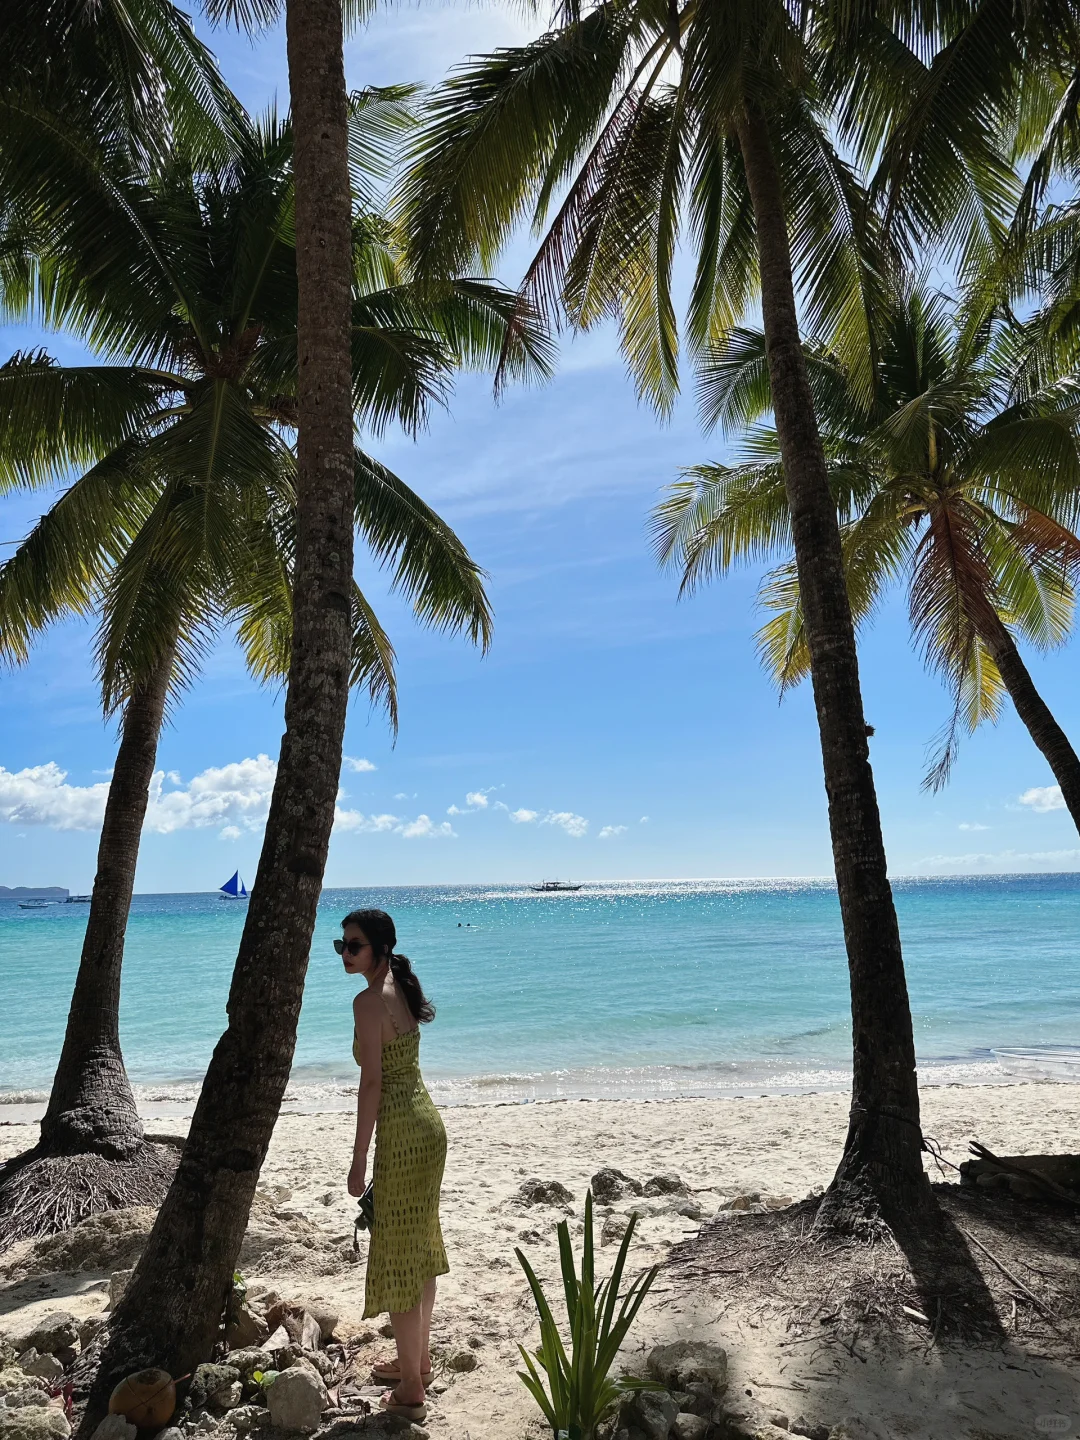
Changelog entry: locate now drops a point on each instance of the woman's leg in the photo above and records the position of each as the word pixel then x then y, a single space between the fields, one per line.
pixel 409 1335
pixel 391 1369
pixel 427 1305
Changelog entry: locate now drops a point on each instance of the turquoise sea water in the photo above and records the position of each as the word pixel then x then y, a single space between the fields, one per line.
pixel 641 988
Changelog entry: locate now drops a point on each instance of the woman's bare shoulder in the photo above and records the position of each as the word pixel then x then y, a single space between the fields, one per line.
pixel 365 1005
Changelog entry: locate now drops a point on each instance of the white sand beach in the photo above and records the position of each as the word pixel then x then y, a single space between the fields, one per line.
pixel 779 1145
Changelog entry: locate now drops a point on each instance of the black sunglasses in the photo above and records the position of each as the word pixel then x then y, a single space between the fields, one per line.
pixel 352 946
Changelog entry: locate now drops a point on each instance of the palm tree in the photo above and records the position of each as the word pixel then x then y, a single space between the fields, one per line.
pixel 710 121
pixel 403 342
pixel 958 476
pixel 186 520
pixel 172 1306
pixel 175 1297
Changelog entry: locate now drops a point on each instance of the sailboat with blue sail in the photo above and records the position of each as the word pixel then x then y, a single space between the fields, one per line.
pixel 234 888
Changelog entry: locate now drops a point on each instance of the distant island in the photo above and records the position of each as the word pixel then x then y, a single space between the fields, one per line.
pixel 34 892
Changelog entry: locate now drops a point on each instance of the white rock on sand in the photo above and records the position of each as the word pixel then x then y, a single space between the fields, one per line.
pixel 296 1400
pixel 775 1146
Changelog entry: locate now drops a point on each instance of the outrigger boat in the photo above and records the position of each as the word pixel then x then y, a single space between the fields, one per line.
pixel 1041 1062
pixel 546 887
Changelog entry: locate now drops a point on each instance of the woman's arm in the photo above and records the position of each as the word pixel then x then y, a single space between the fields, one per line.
pixel 368 1020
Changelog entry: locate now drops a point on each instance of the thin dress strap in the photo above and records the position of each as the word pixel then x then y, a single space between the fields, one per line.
pixel 398 1032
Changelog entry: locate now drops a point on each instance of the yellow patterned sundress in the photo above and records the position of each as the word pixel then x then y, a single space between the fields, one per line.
pixel 406 1248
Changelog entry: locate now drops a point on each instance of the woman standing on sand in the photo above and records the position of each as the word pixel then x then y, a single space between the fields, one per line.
pixel 406 1251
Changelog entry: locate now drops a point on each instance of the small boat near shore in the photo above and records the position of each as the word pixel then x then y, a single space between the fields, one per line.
pixel 35 904
pixel 1041 1062
pixel 548 887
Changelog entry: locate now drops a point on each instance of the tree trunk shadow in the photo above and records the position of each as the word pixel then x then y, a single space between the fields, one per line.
pixel 956 1299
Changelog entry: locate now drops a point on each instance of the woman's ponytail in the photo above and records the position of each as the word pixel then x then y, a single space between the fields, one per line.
pixel 422 1008
pixel 382 936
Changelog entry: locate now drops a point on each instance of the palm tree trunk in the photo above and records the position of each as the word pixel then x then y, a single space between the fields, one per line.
pixel 1033 710
pixel 91 1108
pixel 881 1169
pixel 171 1311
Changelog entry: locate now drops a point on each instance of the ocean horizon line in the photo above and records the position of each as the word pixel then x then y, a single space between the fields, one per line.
pixel 826 881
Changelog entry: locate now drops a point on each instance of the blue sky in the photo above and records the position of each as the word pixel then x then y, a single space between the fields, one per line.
pixel 611 732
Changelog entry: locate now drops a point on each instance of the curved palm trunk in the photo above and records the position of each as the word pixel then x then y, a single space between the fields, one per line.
pixel 91 1108
pixel 881 1169
pixel 1034 711
pixel 171 1311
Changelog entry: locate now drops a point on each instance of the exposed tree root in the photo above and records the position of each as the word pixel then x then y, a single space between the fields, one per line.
pixel 42 1194
pixel 988 1268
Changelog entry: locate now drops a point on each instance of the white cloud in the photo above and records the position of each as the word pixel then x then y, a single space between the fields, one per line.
pixel 610 831
pixel 39 795
pixel 424 828
pixel 236 795
pixel 574 825
pixel 402 796
pixel 474 800
pixel 965 825
pixel 234 799
pixel 360 765
pixel 1043 798
pixel 353 821
pixel 1001 862
pixel 644 820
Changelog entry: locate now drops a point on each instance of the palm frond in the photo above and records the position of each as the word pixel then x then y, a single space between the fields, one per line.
pixel 734 390
pixel 55 417
pixel 380 117
pixel 133 73
pixel 718 515
pixel 486 327
pixel 373 660
pixel 875 550
pixel 500 129
pixel 943 169
pixel 952 588
pixel 977 697
pixel 430 565
pixel 727 275
pixel 842 257
pixel 161 595
pixel 61 567
pixel 254 16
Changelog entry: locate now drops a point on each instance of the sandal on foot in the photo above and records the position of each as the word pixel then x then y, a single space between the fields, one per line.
pixel 391 1370
pixel 416 1413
